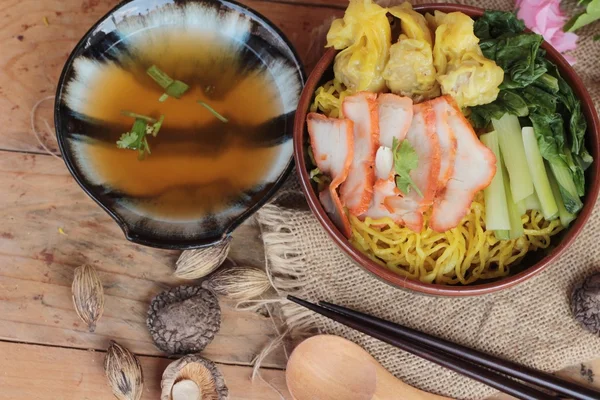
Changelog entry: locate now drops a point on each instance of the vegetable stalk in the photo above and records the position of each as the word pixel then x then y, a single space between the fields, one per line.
pixel 513 154
pixel 496 216
pixel 538 174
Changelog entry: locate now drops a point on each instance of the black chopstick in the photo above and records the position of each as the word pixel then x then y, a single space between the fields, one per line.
pixel 474 371
pixel 510 368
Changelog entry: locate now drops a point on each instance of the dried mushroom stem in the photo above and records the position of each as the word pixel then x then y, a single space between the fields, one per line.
pixel 88 295
pixel 193 378
pixel 196 264
pixel 238 283
pixel 186 390
pixel 124 373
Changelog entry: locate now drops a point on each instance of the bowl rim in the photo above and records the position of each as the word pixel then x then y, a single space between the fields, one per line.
pixel 399 281
pixel 129 231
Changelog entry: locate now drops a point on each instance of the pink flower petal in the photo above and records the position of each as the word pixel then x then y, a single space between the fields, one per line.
pixel 570 59
pixel 550 32
pixel 541 18
pixel 564 41
pixel 547 19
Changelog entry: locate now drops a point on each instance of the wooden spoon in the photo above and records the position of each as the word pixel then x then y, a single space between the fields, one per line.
pixel 328 367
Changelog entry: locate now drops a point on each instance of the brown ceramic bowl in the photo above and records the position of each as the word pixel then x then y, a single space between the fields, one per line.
pixel 534 262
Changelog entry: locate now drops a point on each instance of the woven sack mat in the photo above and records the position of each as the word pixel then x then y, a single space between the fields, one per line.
pixel 530 323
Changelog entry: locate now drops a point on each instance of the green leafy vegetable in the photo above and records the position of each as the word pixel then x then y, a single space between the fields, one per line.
pixel 547 82
pixel 591 14
pixel 497 23
pixel 508 101
pixel 405 160
pixel 571 110
pixel 171 86
pixel 213 111
pixel 565 217
pixel 553 110
pixel 518 57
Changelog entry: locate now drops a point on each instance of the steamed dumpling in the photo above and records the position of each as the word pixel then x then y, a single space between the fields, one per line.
pixel 413 24
pixel 462 70
pixel 410 71
pixel 472 81
pixel 453 38
pixel 364 36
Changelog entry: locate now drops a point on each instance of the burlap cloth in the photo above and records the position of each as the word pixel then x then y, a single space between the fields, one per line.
pixel 530 323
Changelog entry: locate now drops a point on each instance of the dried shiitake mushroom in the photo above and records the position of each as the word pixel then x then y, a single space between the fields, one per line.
pixel 193 378
pixel 184 319
pixel 585 303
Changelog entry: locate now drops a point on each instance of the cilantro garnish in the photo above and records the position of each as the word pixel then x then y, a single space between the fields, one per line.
pixel 136 139
pixel 405 160
pixel 172 87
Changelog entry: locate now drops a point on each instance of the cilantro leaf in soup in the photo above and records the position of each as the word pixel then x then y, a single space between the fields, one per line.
pixel 172 87
pixel 136 138
pixel 127 140
pixel 405 160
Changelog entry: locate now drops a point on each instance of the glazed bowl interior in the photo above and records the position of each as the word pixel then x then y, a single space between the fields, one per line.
pixel 533 262
pixel 228 54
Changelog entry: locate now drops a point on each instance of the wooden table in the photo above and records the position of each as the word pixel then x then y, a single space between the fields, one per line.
pixel 49 227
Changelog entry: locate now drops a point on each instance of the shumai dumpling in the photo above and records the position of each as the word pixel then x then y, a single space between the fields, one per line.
pixel 453 38
pixel 410 71
pixel 364 36
pixel 413 24
pixel 472 81
pixel 462 70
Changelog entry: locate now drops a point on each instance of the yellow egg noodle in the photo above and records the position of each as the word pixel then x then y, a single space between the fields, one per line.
pixel 461 255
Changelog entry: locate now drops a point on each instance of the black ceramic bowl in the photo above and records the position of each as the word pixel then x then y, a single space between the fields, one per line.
pixel 112 39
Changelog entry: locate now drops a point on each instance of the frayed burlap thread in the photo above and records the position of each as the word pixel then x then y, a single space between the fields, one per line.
pixel 530 323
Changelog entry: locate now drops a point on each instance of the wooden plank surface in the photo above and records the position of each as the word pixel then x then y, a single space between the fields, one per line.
pixel 36 264
pixel 39 197
pixel 33 54
pixel 43 373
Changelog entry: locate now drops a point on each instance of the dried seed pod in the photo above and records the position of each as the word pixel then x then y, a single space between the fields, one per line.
pixel 124 373
pixel 238 283
pixel 184 319
pixel 193 378
pixel 88 295
pixel 585 303
pixel 196 264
